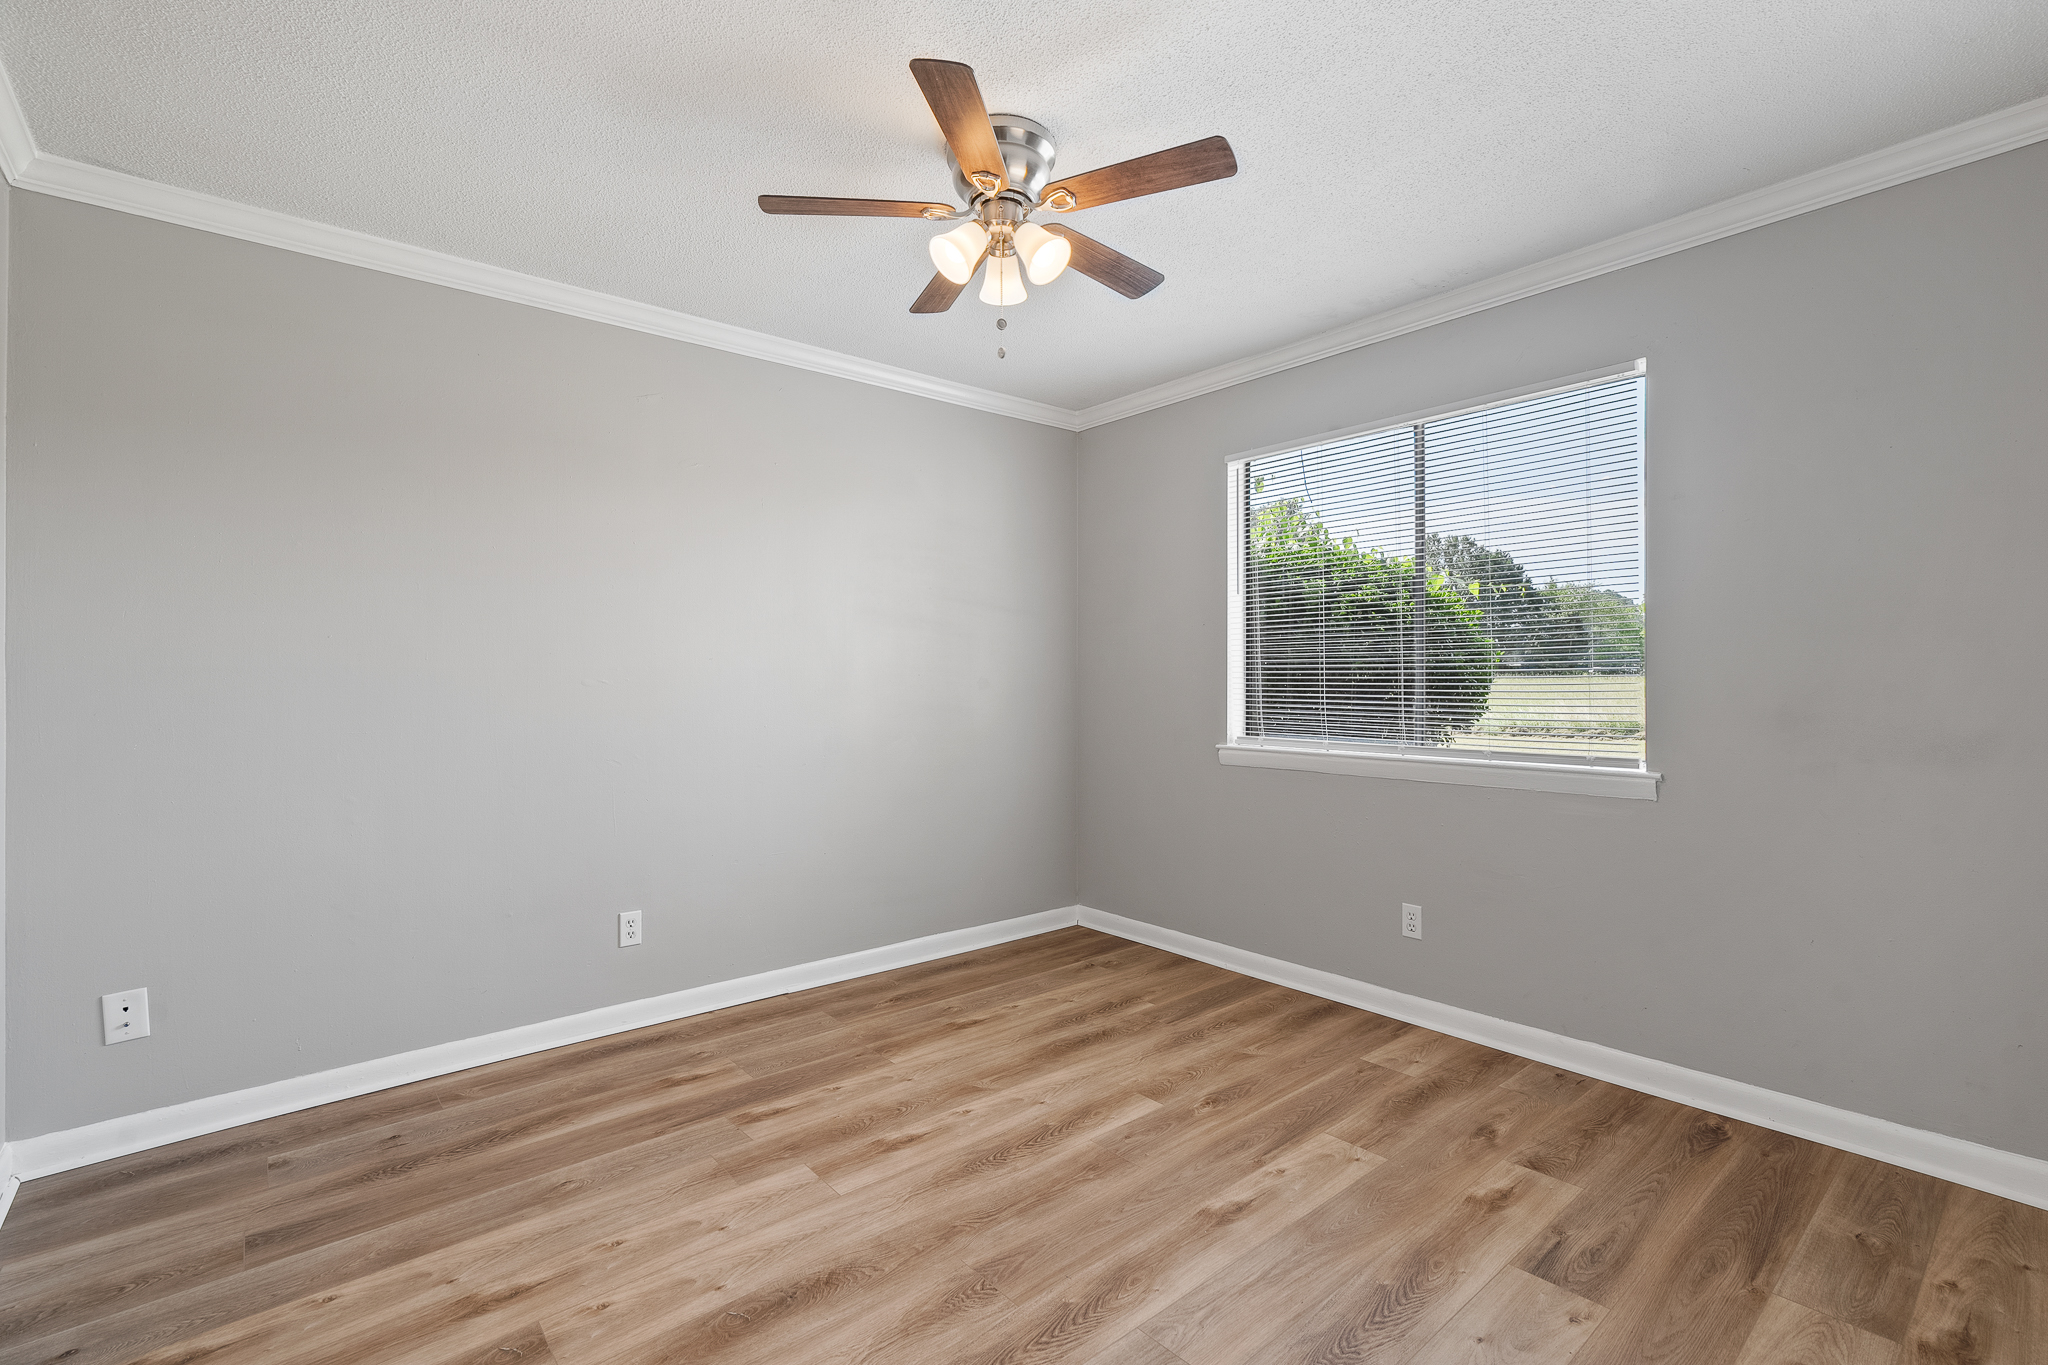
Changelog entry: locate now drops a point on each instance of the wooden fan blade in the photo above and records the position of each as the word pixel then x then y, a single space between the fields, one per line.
pixel 956 103
pixel 1192 164
pixel 1108 265
pixel 855 208
pixel 939 295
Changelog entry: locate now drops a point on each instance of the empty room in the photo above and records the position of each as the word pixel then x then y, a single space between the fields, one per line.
pixel 1108 684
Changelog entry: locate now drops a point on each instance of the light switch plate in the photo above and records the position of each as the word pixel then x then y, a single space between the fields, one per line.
pixel 126 1015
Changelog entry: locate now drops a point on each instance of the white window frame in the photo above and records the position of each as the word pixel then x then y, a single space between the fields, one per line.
pixel 1240 750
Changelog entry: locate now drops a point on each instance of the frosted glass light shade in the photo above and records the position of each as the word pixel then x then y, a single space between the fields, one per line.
pixel 1045 253
pixel 1002 283
pixel 955 252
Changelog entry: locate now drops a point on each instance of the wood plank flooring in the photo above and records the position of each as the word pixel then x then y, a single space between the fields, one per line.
pixel 1069 1148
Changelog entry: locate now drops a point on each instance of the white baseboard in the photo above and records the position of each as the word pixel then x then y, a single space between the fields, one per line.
pixel 73 1147
pixel 9 1181
pixel 2006 1174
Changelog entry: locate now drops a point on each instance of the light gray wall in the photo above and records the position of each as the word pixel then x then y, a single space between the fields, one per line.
pixel 371 644
pixel 374 643
pixel 6 223
pixel 1841 892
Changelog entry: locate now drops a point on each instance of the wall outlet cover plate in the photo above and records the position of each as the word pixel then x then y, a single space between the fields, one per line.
pixel 125 1015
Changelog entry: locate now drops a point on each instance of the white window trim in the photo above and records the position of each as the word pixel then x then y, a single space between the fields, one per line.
pixel 1413 765
pixel 1579 779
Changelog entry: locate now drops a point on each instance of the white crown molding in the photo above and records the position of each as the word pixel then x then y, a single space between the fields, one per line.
pixel 17 148
pixel 1966 142
pixel 30 169
pixel 117 1137
pixel 132 194
pixel 2007 1174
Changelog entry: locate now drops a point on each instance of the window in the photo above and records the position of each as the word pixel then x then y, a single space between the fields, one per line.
pixel 1455 599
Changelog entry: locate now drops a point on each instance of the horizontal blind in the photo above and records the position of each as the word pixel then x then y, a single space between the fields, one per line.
pixel 1471 585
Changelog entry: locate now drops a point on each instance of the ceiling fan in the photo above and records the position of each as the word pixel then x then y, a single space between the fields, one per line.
pixel 1002 169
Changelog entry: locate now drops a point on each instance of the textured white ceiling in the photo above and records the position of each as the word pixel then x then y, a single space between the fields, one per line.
pixel 1390 149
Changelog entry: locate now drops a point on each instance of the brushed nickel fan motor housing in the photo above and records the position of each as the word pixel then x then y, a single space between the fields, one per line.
pixel 1026 145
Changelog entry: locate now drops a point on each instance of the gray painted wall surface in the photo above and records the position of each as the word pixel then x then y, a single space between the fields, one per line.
pixel 6 223
pixel 374 643
pixel 1841 893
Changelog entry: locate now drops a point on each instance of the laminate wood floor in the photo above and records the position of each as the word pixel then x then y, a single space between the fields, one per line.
pixel 1069 1148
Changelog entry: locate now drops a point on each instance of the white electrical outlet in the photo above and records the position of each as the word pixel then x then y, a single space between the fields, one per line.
pixel 629 928
pixel 126 1015
pixel 1411 921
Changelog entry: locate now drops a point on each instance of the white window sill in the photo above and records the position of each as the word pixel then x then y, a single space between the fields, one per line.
pixel 1630 783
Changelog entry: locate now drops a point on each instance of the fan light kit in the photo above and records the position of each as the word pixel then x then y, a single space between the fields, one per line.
pixel 1002 172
